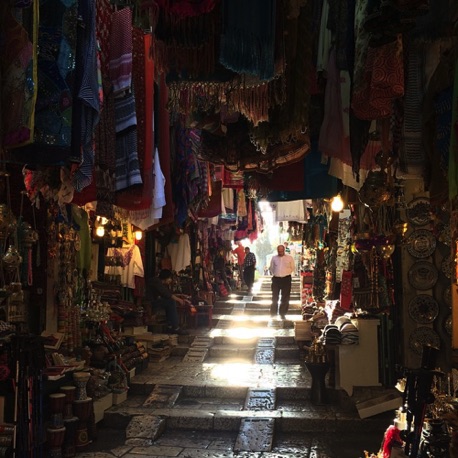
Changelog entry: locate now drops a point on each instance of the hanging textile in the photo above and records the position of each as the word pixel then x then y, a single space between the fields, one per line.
pixel 105 10
pixel 453 154
pixel 248 37
pixel 138 199
pixel 289 118
pixel 180 253
pixel 18 59
pixel 317 183
pixel 214 206
pixel 56 75
pixel 88 92
pixel 382 81
pixel 185 36
pixel 412 152
pixel 437 127
pixel 291 211
pixel 158 201
pixel 186 8
pixel 127 264
pixel 163 145
pixel 120 64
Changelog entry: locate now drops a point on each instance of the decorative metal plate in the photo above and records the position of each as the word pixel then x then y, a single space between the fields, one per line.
pixel 423 309
pixel 421 243
pixel 447 266
pixel 423 275
pixel 423 336
pixel 418 211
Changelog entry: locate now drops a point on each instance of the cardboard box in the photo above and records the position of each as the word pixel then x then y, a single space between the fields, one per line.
pixel 135 330
pixel 102 404
pixel 371 407
pixel 119 397
pixel 131 375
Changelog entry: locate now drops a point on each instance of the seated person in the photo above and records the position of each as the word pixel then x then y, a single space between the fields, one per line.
pixel 164 297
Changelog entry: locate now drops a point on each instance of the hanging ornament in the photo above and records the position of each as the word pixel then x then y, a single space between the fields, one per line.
pixel 12 259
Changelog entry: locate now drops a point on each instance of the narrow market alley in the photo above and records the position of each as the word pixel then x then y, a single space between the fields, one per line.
pixel 237 388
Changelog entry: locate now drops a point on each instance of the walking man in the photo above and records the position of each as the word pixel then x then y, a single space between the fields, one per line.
pixel 281 268
pixel 249 266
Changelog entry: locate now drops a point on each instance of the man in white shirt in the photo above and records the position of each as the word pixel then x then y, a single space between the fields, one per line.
pixel 281 268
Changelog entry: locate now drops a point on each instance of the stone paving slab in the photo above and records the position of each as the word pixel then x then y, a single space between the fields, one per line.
pixel 145 427
pixel 264 356
pixel 202 341
pixel 255 435
pixel 258 399
pixel 163 396
pixel 196 355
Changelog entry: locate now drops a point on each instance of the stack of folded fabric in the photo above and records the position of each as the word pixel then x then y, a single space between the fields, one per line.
pixel 350 333
pixel 331 335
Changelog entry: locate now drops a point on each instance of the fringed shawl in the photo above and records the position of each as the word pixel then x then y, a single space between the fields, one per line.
pixel 185 43
pixel 289 120
pixel 248 37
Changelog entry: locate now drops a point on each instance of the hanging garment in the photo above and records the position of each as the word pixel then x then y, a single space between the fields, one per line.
pixel 180 253
pixel 130 264
pixel 291 211
pixel 241 203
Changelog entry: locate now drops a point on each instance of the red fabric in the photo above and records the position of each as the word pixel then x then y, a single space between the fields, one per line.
pixel 392 437
pixel 186 8
pixel 214 207
pixel 384 82
pixel 287 178
pixel 346 290
pixel 88 194
pixel 120 65
pixel 140 197
pixel 168 211
pixel 233 179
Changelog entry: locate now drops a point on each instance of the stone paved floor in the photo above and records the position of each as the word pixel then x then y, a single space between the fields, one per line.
pixel 184 408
